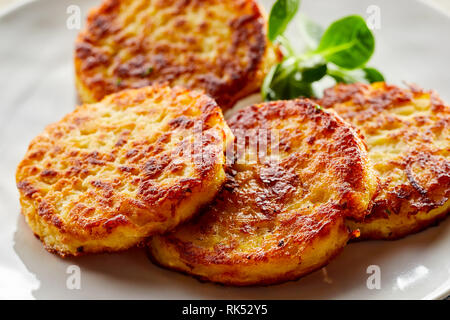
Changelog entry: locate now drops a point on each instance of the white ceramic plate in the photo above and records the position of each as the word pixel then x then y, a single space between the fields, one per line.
pixel 36 88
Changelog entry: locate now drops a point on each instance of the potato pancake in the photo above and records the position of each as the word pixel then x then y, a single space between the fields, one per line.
pixel 110 174
pixel 407 132
pixel 219 46
pixel 282 212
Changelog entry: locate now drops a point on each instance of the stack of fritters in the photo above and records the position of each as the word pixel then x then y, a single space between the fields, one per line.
pixel 276 222
pixel 282 215
pixel 273 195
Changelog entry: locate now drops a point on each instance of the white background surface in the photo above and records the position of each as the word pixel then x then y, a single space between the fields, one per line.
pixel 36 88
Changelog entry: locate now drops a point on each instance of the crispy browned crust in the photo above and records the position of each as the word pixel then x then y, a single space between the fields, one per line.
pixel 219 46
pixel 258 283
pixel 275 221
pixel 110 174
pixel 374 233
pixel 408 137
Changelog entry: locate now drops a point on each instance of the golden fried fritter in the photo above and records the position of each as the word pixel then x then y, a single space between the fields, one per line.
pixel 112 173
pixel 407 132
pixel 219 46
pixel 282 212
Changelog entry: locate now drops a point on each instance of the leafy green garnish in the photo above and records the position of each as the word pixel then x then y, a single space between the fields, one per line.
pixel 340 52
pixel 292 78
pixel 373 75
pixel 347 42
pixel 366 74
pixel 281 14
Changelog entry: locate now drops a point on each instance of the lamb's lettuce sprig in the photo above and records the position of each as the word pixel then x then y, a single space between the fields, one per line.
pixel 340 52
